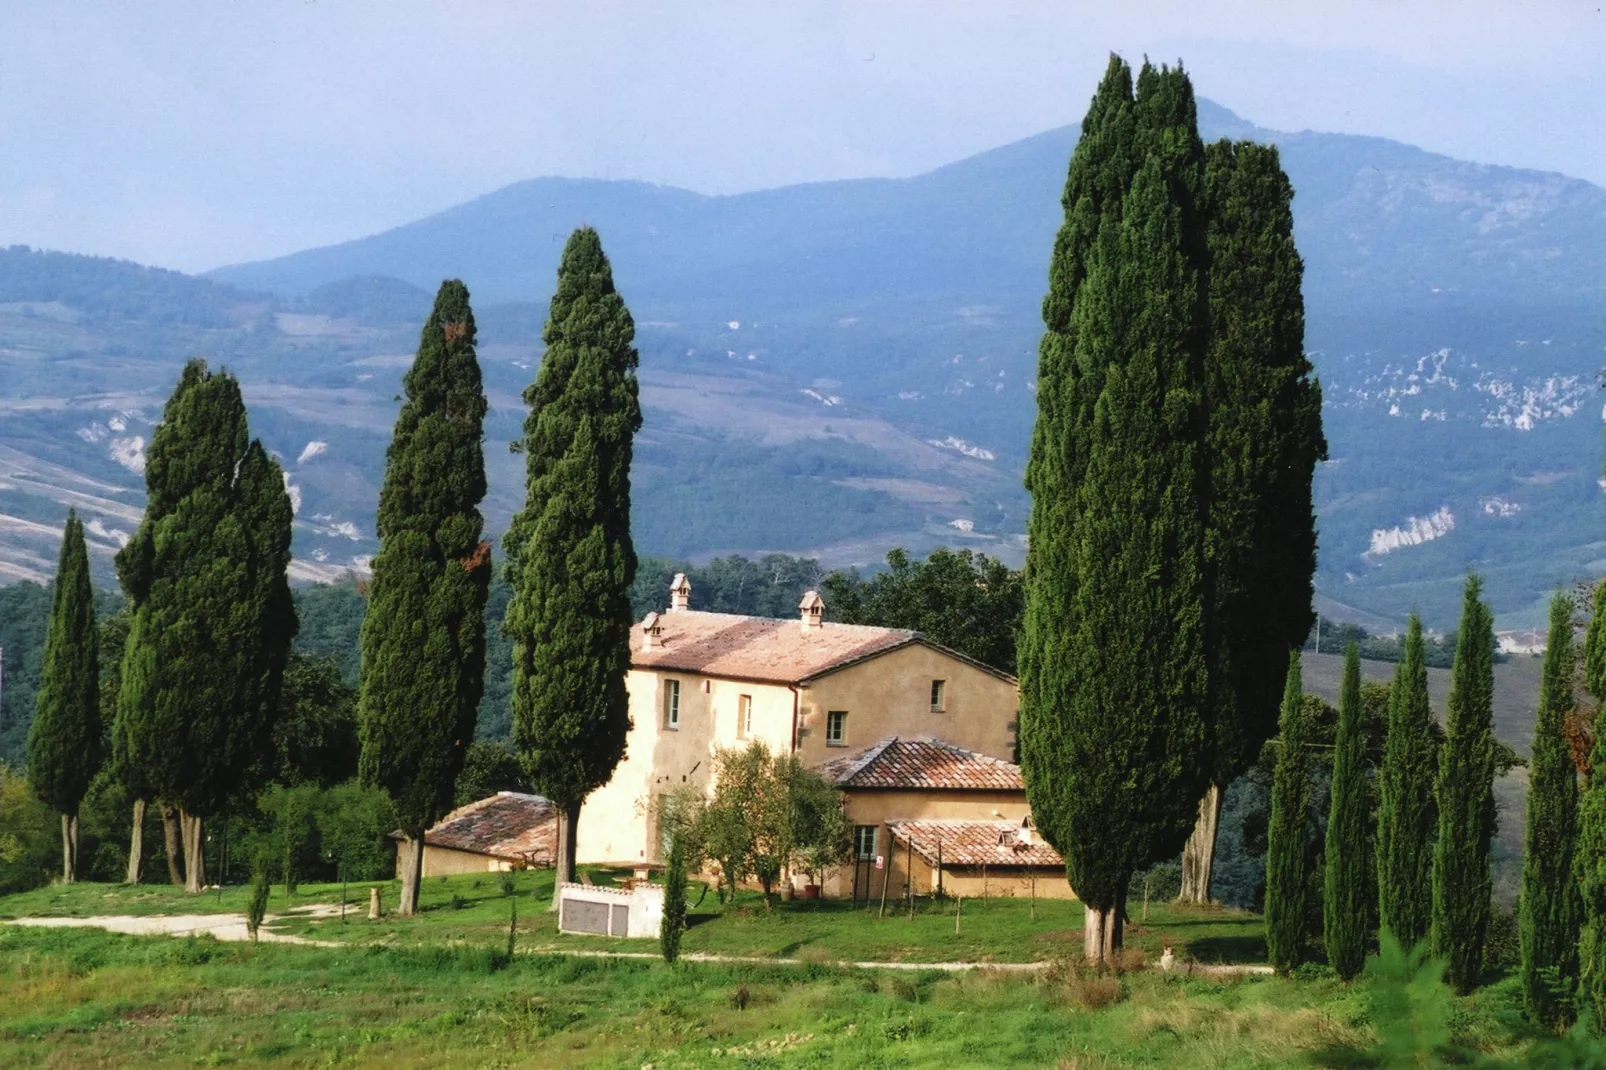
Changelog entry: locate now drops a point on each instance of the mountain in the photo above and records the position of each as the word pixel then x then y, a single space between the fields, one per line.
pixel 839 367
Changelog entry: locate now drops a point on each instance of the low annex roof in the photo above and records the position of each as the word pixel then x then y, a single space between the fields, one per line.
pixel 508 825
pixel 767 649
pixel 974 843
pixel 923 763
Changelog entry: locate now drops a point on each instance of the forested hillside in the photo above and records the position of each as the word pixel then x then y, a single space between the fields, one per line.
pixel 835 369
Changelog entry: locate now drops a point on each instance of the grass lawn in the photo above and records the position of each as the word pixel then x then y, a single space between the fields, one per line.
pixel 473 909
pixel 84 998
pixel 434 991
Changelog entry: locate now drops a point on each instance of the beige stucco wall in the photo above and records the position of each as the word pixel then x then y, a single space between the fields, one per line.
pixel 891 696
pixel 867 807
pixel 439 861
pixel 615 823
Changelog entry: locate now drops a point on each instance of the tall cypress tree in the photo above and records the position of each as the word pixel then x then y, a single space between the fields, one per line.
pixel 1551 907
pixel 1265 437
pixel 571 560
pixel 1113 648
pixel 423 635
pixel 1407 820
pixel 64 741
pixel 1344 898
pixel 1461 878
pixel 1590 862
pixel 211 623
pixel 1286 877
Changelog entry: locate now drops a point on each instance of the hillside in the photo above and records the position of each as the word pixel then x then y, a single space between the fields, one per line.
pixel 840 367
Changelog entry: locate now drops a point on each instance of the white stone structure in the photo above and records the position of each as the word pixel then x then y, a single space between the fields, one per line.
pixel 637 912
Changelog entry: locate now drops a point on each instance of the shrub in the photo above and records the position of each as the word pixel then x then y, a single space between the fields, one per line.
pixel 674 919
pixel 258 907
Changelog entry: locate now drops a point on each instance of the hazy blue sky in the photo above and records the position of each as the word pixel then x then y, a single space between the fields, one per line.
pixel 197 134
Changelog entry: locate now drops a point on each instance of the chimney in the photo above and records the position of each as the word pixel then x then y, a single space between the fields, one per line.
pixel 652 630
pixel 812 609
pixel 680 592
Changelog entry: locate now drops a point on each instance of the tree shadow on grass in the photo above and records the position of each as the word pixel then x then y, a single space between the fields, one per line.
pixel 1229 949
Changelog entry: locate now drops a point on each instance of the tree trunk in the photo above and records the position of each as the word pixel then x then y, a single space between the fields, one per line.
pixel 412 874
pixel 1094 922
pixel 1103 931
pixel 194 855
pixel 174 844
pixel 69 848
pixel 1199 856
pixel 568 827
pixel 136 844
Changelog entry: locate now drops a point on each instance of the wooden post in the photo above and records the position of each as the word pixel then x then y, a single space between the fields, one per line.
pixel 959 908
pixel 1034 895
pixel 984 880
pixel 886 875
pixel 909 876
pixel 939 867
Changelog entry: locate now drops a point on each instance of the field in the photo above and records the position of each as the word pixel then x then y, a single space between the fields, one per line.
pixel 439 990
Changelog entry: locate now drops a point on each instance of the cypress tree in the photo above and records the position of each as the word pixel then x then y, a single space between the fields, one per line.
pixel 1551 908
pixel 1286 877
pixel 423 635
pixel 1113 646
pixel 211 622
pixel 673 922
pixel 1407 820
pixel 1344 899
pixel 570 557
pixel 64 741
pixel 1590 864
pixel 1265 437
pixel 1461 878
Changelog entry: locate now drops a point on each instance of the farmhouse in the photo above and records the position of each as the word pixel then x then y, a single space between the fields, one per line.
pixel 945 818
pixel 506 831
pixel 703 681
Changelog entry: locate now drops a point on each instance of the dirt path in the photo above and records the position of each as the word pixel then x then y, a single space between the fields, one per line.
pixel 230 927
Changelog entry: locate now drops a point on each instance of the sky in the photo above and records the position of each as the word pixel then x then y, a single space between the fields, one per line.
pixel 192 135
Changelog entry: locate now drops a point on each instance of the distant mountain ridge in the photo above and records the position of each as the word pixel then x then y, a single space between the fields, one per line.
pixel 840 367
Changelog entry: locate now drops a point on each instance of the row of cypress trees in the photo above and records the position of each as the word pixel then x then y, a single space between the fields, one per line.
pixel 210 625
pixel 1172 539
pixel 1436 819
pixel 211 617
pixel 570 562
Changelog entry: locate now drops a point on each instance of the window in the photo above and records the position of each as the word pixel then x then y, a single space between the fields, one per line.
pixel 836 728
pixel 744 717
pixel 671 703
pixel 938 693
pixel 863 842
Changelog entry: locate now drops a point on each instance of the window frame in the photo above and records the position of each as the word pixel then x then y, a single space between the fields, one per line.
pixel 672 705
pixel 744 716
pixel 939 695
pixel 861 853
pixel 839 718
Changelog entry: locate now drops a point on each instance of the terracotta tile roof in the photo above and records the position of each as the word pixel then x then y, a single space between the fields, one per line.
pixel 519 828
pixel 974 843
pixel 758 648
pixel 923 762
